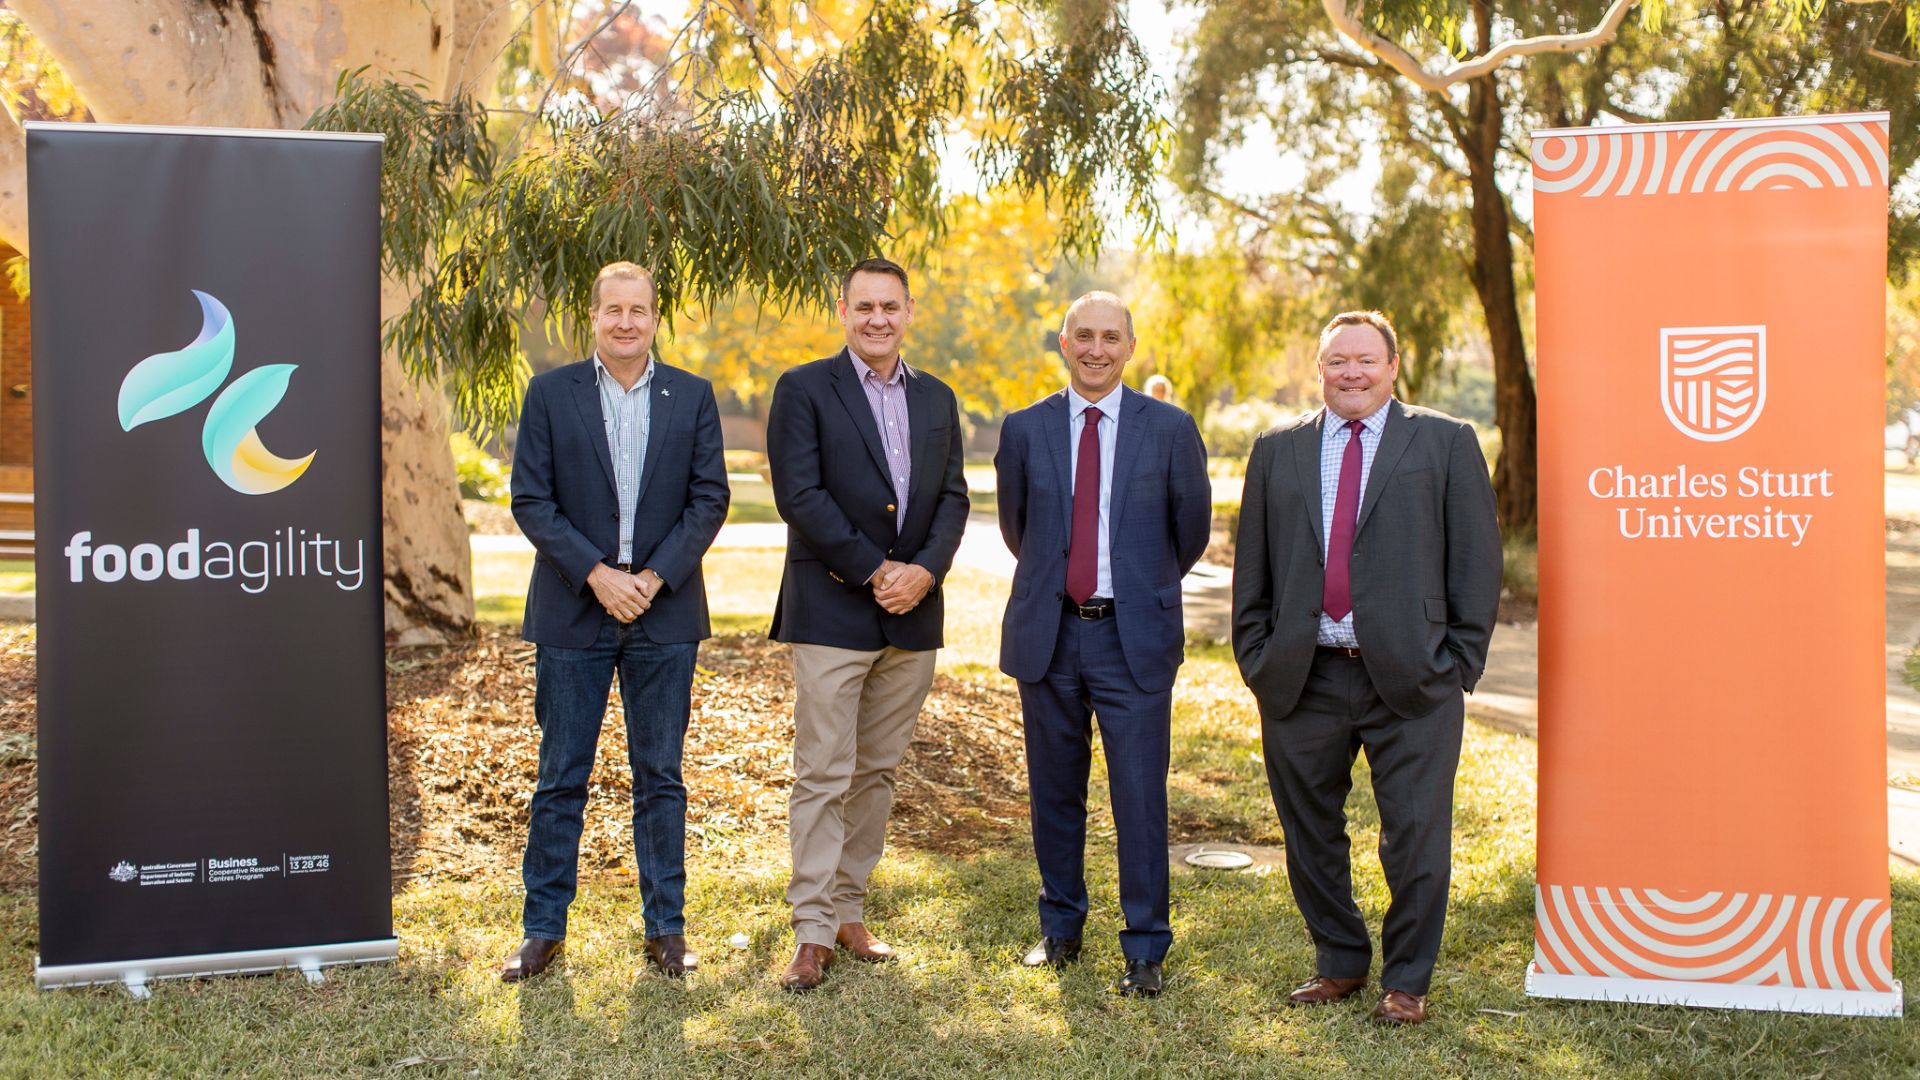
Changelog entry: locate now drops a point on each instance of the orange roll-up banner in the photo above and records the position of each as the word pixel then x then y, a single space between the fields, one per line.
pixel 1713 811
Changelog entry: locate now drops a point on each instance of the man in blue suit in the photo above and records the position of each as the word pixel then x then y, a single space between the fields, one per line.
pixel 1104 501
pixel 620 483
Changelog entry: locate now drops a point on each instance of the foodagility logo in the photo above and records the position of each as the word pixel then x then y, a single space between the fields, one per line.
pixel 169 383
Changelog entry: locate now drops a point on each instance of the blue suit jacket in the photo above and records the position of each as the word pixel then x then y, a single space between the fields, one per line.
pixel 565 501
pixel 1160 515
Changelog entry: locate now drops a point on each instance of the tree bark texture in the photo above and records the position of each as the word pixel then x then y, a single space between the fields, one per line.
pixel 271 64
pixel 1515 475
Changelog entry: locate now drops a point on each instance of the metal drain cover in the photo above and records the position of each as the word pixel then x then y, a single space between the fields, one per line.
pixel 1219 860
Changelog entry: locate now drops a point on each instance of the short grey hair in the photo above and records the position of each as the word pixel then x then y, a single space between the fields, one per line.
pixel 1097 297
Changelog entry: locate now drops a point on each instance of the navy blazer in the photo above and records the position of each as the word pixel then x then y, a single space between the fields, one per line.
pixel 565 501
pixel 1160 515
pixel 832 487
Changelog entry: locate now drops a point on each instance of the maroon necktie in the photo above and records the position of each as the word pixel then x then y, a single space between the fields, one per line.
pixel 1337 599
pixel 1083 554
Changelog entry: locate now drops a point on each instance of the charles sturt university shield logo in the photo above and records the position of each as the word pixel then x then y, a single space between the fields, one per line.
pixel 1713 379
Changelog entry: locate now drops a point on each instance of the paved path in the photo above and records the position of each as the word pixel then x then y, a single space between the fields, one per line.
pixel 1507 696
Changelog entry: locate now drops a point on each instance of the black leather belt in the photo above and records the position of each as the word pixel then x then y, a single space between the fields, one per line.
pixel 1096 607
pixel 623 567
pixel 1337 650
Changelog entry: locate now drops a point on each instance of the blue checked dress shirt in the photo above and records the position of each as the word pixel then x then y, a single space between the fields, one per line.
pixel 1333 444
pixel 628 414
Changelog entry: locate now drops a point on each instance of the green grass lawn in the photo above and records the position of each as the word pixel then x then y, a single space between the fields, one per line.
pixel 959 1005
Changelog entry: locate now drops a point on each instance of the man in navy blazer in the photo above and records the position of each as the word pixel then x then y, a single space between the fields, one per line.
pixel 1105 502
pixel 620 483
pixel 865 456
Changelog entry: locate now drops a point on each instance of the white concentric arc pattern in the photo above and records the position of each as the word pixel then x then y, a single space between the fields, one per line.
pixel 1627 161
pixel 1753 939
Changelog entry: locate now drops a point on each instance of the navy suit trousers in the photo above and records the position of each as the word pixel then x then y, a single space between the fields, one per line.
pixel 1089 678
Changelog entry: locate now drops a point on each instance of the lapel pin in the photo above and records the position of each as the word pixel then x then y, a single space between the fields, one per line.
pixel 666 393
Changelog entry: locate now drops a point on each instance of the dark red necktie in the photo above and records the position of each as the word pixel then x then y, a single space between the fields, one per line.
pixel 1337 598
pixel 1083 553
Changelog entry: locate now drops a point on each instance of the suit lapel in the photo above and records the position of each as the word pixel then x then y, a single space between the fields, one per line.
pixel 586 395
pixel 659 414
pixel 846 382
pixel 1394 439
pixel 1125 453
pixel 1306 439
pixel 920 418
pixel 1057 420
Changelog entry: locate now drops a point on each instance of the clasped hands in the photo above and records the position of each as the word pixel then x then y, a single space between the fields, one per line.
pixel 625 596
pixel 899 587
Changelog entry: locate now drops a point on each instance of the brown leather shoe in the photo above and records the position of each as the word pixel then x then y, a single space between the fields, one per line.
pixel 534 956
pixel 855 938
pixel 670 954
pixel 807 969
pixel 1323 990
pixel 1400 1007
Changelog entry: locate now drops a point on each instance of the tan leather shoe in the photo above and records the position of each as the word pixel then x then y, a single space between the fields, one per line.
pixel 1400 1007
pixel 533 956
pixel 670 954
pixel 807 969
pixel 1324 990
pixel 855 938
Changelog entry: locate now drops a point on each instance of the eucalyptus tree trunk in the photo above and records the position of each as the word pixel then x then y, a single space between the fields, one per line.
pixel 271 64
pixel 1515 472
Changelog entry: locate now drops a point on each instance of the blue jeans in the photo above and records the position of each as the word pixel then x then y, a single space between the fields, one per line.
pixel 569 700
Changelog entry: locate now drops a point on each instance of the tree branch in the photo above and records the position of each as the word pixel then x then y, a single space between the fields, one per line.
pixel 1348 22
pixel 13 183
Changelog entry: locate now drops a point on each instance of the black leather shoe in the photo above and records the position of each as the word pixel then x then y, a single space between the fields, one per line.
pixel 670 954
pixel 1052 952
pixel 1143 977
pixel 533 956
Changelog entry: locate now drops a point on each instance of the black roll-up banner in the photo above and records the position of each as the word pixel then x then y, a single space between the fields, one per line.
pixel 206 410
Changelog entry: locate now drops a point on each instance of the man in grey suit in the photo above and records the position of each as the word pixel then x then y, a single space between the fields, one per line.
pixel 1365 585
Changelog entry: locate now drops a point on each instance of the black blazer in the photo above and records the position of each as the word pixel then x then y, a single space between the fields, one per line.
pixel 831 485
pixel 565 501
pixel 1426 562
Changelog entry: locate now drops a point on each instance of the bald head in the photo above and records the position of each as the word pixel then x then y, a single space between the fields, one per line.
pixel 1086 300
pixel 1096 340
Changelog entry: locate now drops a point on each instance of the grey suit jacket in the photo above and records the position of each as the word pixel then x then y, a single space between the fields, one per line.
pixel 1426 562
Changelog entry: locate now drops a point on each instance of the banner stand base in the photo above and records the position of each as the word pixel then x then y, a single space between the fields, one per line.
pixel 1706 995
pixel 136 974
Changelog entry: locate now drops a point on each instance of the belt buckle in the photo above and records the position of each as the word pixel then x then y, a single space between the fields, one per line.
pixel 1093 612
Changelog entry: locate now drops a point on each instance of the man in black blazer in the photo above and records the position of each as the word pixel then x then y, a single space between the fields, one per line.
pixel 620 483
pixel 1105 503
pixel 865 456
pixel 1365 586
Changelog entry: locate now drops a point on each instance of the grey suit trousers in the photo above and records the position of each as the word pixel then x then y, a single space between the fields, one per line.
pixel 1310 753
